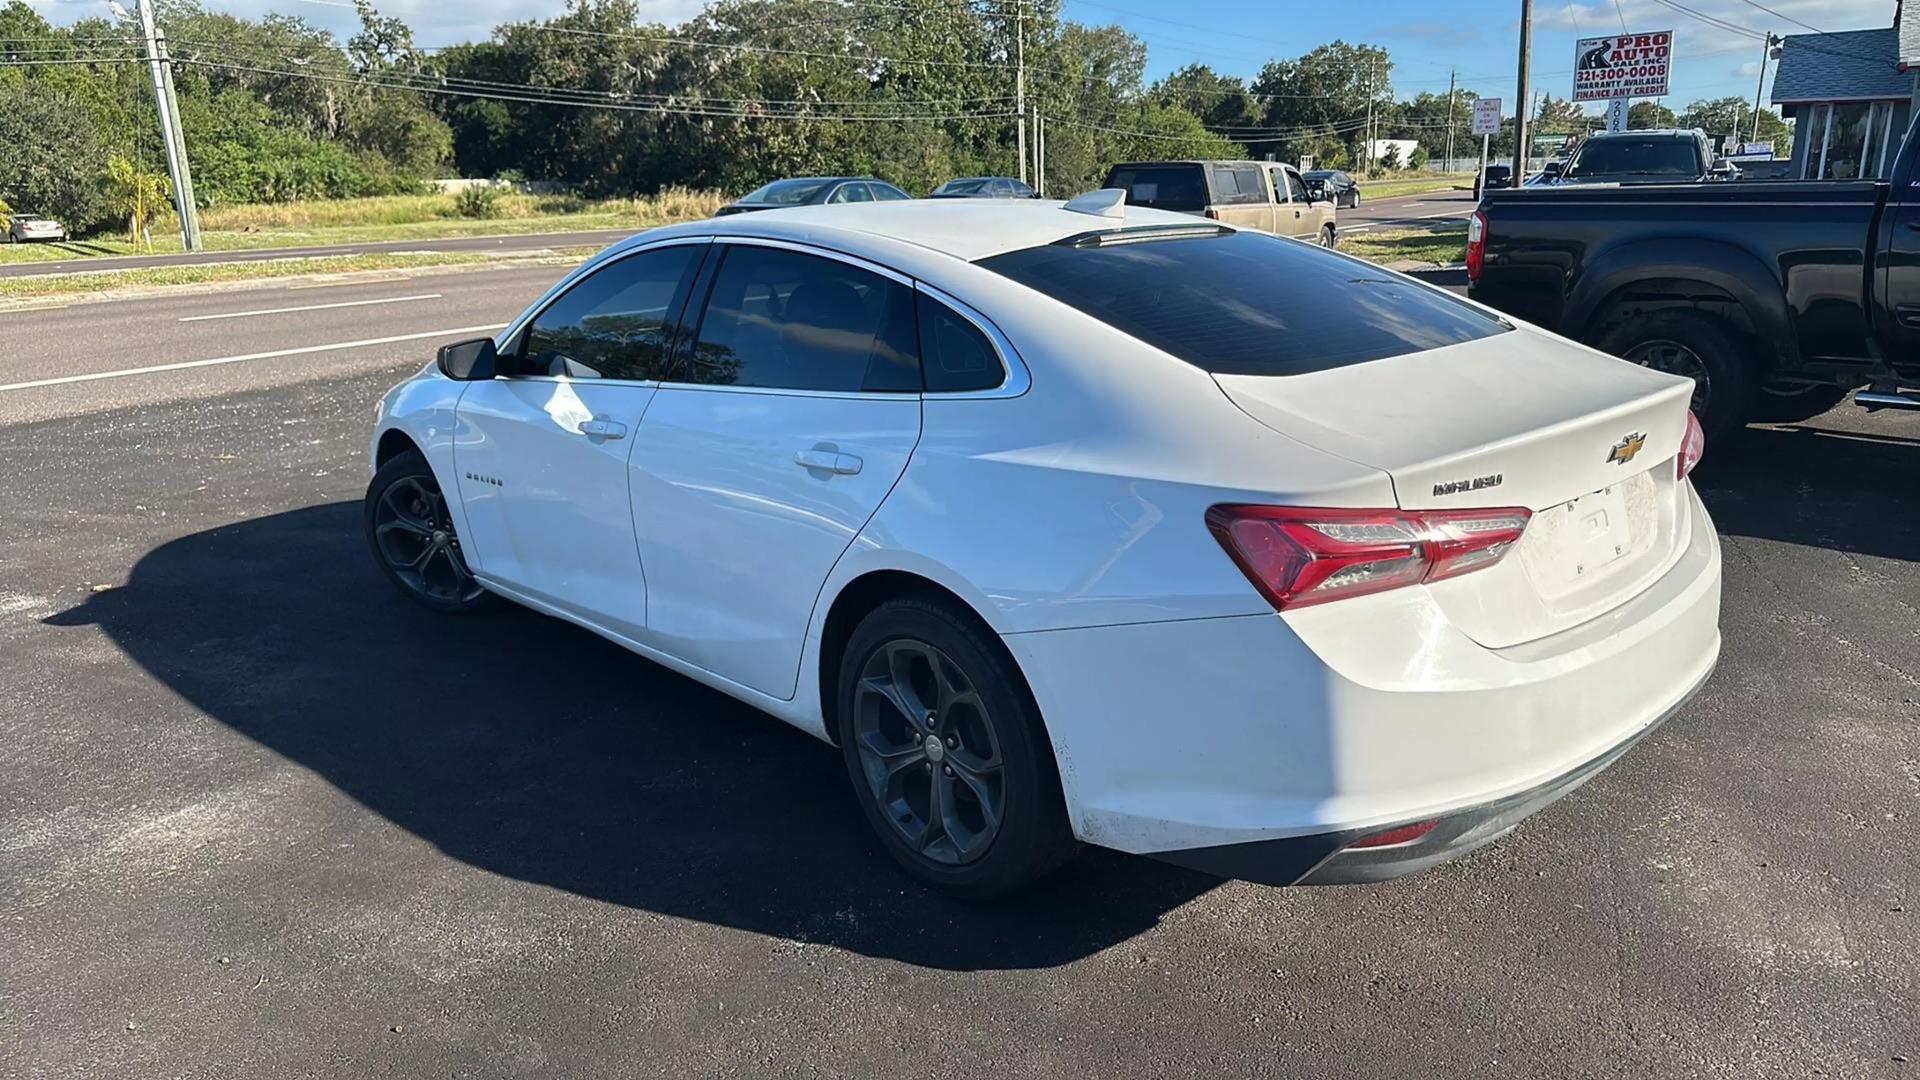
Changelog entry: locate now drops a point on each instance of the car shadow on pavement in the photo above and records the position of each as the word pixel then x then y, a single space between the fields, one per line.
pixel 1819 485
pixel 533 749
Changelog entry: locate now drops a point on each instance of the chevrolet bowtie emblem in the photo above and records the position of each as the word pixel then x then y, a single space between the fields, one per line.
pixel 1624 450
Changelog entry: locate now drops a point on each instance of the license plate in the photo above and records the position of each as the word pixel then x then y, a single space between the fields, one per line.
pixel 1571 545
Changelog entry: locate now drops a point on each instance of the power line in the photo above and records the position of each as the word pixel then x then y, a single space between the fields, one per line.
pixel 613 100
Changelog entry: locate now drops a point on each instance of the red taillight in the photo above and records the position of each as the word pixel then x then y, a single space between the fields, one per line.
pixel 1213 215
pixel 1692 446
pixel 1405 834
pixel 1476 244
pixel 1298 556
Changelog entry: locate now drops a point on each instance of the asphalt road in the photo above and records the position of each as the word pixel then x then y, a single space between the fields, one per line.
pixel 480 244
pixel 1405 211
pixel 259 816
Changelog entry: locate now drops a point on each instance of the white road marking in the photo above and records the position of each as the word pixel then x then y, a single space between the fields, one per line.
pixel 304 349
pixel 309 307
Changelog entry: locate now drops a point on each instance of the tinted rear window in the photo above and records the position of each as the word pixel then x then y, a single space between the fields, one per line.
pixel 1636 157
pixel 1164 187
pixel 1248 303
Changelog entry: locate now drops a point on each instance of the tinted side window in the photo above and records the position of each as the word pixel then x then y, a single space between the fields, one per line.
pixel 888 193
pixel 1248 303
pixel 1296 188
pixel 1240 184
pixel 616 323
pixel 954 354
pixel 784 319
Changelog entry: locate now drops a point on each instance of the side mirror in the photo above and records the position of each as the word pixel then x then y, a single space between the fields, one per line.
pixel 1551 169
pixel 468 361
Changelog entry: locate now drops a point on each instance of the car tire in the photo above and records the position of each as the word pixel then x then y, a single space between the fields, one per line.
pixel 410 532
pixel 1690 343
pixel 1327 238
pixel 1354 202
pixel 1802 403
pixel 913 648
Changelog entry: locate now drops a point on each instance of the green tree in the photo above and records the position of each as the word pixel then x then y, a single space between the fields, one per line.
pixel 1731 119
pixel 50 157
pixel 139 196
pixel 1323 93
pixel 1650 114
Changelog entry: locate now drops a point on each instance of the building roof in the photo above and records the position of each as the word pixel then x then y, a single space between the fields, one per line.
pixel 1852 65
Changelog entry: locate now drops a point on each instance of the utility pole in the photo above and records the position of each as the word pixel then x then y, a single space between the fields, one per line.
pixel 190 223
pixel 1366 140
pixel 1766 52
pixel 1523 97
pixel 1020 79
pixel 1448 167
pixel 168 109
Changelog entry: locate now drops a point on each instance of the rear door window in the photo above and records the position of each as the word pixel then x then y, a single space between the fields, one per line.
pixel 787 320
pixel 1239 184
pixel 1163 187
pixel 1247 303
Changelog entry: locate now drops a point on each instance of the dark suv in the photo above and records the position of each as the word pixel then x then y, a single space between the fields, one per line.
pixel 1493 176
pixel 1644 157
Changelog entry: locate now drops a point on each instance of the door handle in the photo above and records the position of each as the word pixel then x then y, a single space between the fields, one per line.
pixel 827 460
pixel 603 429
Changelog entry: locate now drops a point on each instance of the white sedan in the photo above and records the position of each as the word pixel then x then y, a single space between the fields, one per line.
pixel 1082 523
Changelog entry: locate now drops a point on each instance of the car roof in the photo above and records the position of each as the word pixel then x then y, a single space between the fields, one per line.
pixel 966 229
pixel 1647 133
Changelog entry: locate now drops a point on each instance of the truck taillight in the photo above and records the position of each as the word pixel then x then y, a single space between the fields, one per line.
pixel 1476 244
pixel 1692 446
pixel 1298 555
pixel 1213 215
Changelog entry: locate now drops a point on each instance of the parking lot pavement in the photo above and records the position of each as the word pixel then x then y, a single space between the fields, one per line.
pixel 261 817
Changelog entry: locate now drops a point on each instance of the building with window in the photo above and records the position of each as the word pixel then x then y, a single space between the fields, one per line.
pixel 1850 95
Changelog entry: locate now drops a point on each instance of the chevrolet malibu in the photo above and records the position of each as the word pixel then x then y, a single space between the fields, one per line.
pixel 1082 523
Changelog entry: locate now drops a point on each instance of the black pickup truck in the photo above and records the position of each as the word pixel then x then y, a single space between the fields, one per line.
pixel 1778 297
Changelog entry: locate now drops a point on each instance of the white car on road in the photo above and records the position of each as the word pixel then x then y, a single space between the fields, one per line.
pixel 1082 523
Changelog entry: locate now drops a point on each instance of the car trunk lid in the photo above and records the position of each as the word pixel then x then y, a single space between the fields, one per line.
pixel 1584 441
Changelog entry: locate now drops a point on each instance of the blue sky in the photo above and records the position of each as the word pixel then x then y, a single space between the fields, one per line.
pixel 1479 38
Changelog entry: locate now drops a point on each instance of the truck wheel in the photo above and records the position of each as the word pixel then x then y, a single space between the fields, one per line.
pixel 1699 347
pixel 1790 404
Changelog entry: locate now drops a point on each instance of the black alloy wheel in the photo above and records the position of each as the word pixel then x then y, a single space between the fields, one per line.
pixel 929 752
pixel 413 539
pixel 946 751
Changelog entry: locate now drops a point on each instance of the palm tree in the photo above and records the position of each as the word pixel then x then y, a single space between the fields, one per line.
pixel 139 195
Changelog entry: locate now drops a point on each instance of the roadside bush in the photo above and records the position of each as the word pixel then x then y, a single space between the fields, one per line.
pixel 477 202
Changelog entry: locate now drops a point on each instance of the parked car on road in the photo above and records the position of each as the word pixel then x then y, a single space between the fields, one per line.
pixel 1492 177
pixel 25 226
pixel 1267 196
pixel 984 187
pixel 1333 186
pixel 1644 157
pixel 1066 524
pixel 813 191
pixel 1776 298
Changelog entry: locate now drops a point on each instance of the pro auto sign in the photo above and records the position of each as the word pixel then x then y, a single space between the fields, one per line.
pixel 1625 65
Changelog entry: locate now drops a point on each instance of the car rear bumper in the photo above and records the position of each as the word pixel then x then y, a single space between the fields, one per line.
pixel 1327 858
pixel 1261 745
